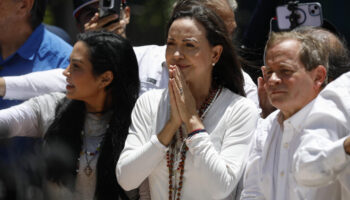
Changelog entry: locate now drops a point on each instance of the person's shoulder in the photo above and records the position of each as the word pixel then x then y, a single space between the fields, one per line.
pixel 150 100
pixel 55 43
pixel 59 32
pixel 238 100
pixel 339 86
pixel 238 107
pixel 153 95
pixel 54 51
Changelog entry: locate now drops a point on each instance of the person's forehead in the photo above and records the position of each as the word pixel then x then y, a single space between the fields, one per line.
pixel 286 51
pixel 284 46
pixel 186 26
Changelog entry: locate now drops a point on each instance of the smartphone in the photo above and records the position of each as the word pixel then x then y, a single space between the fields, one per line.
pixel 308 14
pixel 108 7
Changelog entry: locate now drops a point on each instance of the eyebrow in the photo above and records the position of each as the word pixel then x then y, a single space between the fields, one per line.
pixel 186 39
pixel 76 60
pixel 190 40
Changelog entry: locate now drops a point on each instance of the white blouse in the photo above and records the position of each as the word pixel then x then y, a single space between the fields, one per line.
pixel 215 159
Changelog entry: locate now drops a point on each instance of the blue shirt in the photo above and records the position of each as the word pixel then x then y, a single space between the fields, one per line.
pixel 43 50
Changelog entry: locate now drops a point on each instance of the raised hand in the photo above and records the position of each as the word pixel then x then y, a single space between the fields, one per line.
pixel 185 101
pixel 174 112
pixel 105 23
pixel 174 123
pixel 264 102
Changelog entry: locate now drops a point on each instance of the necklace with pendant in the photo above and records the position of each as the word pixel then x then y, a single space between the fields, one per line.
pixel 93 129
pixel 88 170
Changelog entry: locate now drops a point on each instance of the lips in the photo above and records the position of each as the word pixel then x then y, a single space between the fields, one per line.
pixel 183 66
pixel 277 92
pixel 69 86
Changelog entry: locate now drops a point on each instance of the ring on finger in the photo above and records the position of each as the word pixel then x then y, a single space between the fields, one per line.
pixel 181 91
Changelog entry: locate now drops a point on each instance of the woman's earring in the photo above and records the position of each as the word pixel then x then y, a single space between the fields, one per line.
pixel 213 64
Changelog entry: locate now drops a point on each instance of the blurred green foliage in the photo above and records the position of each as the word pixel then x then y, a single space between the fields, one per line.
pixel 148 21
pixel 49 16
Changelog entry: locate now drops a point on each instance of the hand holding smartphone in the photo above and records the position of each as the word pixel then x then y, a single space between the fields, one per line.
pixel 108 7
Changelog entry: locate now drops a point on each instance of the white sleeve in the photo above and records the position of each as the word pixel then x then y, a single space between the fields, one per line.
pixel 319 160
pixel 223 169
pixel 320 157
pixel 34 84
pixel 251 188
pixel 142 151
pixel 31 118
pixel 250 89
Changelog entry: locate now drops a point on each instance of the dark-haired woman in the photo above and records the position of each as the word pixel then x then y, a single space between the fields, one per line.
pixel 85 129
pixel 191 140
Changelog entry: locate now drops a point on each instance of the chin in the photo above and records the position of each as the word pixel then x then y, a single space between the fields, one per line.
pixel 278 102
pixel 70 96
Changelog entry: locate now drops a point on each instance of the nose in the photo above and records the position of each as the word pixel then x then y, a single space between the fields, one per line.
pixel 66 72
pixel 274 79
pixel 177 54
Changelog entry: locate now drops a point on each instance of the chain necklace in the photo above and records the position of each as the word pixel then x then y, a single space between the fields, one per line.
pixel 88 170
pixel 178 140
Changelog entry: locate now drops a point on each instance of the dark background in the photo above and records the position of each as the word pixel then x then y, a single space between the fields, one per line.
pixel 149 17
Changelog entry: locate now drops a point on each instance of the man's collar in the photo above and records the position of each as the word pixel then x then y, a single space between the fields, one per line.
pixel 28 49
pixel 297 120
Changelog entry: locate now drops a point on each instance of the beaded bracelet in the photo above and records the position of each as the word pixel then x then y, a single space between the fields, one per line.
pixel 194 132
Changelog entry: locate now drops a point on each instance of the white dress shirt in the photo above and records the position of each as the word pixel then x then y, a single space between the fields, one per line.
pixel 269 171
pixel 215 159
pixel 321 158
pixel 153 74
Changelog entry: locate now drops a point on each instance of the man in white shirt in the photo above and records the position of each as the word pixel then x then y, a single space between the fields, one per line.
pixel 323 156
pixel 294 74
pixel 153 71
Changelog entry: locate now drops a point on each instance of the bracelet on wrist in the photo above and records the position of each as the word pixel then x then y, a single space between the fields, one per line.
pixel 196 131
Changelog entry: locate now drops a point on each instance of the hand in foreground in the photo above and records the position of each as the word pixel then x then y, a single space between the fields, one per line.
pixel 185 102
pixel 264 102
pixel 105 23
pixel 173 124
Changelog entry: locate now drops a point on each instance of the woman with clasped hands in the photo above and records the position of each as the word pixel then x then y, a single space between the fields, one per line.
pixel 191 140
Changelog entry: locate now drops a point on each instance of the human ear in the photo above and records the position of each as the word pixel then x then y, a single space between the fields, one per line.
pixel 106 78
pixel 25 6
pixel 320 76
pixel 216 50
